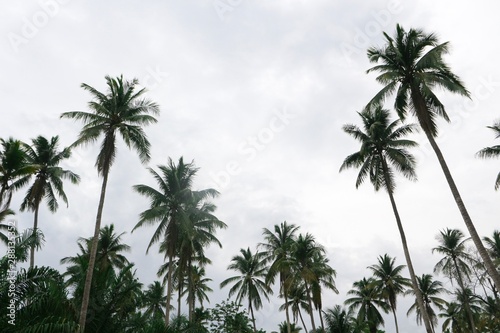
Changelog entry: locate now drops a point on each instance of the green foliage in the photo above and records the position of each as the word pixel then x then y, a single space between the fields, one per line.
pixel 228 317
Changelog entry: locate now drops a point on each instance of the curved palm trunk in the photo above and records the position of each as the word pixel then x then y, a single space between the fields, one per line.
pixel 421 108
pixel 396 319
pixel 92 256
pixel 413 278
pixel 169 289
pixel 466 300
pixel 302 320
pixel 321 319
pixel 35 227
pixel 310 306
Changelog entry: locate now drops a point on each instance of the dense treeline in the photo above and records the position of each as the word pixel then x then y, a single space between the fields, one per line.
pixel 100 292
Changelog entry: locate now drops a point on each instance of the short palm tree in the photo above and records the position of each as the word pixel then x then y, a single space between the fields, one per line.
pixel 389 281
pixel 367 300
pixel 297 300
pixel 430 291
pixel 411 66
pixel 44 156
pixel 340 320
pixel 383 149
pixel 14 171
pixel 455 263
pixel 122 111
pixel 6 228
pixel 173 207
pixel 250 283
pixel 494 151
pixel 277 249
pixel 154 300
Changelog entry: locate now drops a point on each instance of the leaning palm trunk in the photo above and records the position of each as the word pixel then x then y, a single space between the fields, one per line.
pixel 418 294
pixel 35 229
pixel 310 306
pixel 395 318
pixel 421 108
pixel 302 320
pixel 92 255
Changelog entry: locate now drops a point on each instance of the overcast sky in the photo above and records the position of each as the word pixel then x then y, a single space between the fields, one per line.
pixel 256 93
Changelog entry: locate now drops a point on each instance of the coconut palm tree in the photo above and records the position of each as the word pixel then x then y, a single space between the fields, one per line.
pixel 250 283
pixel 324 277
pixel 6 228
pixel 297 300
pixel 493 244
pixel 367 300
pixel 277 249
pixel 411 66
pixel 430 291
pixel 173 207
pixel 154 300
pixel 121 111
pixel 389 281
pixel 455 263
pixel 383 149
pixel 198 287
pixel 493 151
pixel 340 320
pixel 305 257
pixel 44 156
pixel 14 171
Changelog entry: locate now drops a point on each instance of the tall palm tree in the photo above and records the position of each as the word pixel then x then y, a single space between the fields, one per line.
pixel 324 277
pixel 14 171
pixel 366 298
pixel 122 111
pixel 389 281
pixel 44 156
pixel 430 291
pixel 455 263
pixel 411 66
pixel 305 253
pixel 493 151
pixel 277 249
pixel 172 210
pixel 383 149
pixel 250 283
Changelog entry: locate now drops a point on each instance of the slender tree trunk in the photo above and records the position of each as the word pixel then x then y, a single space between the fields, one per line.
pixel 466 299
pixel 190 291
pixel 421 107
pixel 179 300
pixel 413 278
pixel 302 320
pixel 310 306
pixel 253 317
pixel 321 319
pixel 396 319
pixel 169 289
pixel 92 256
pixel 35 229
pixel 285 294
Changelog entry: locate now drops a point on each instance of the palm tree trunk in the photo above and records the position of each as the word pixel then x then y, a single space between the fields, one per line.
pixel 302 320
pixel 413 278
pixel 310 306
pixel 35 227
pixel 395 319
pixel 285 293
pixel 490 267
pixel 169 289
pixel 466 300
pixel 92 256
pixel 253 317
pixel 321 319
pixel 179 300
